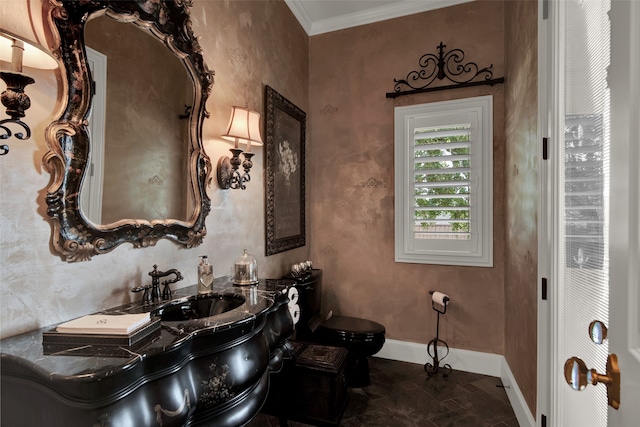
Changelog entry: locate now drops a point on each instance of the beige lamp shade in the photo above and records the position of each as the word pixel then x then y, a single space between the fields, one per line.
pixel 244 127
pixel 32 56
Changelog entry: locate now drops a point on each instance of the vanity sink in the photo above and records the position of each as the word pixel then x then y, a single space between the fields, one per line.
pixel 209 364
pixel 199 306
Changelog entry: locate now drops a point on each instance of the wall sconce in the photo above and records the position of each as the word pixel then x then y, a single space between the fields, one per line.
pixel 244 127
pixel 14 98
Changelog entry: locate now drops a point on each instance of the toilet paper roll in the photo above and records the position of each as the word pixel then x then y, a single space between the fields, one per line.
pixel 293 296
pixel 294 311
pixel 439 298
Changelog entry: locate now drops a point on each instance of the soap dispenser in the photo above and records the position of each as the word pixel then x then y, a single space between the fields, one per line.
pixel 205 276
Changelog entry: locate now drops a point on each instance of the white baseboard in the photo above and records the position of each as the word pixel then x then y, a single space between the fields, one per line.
pixel 494 365
pixel 462 360
pixel 519 405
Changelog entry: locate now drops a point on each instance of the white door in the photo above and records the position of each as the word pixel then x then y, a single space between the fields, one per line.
pixel 624 247
pixel 591 190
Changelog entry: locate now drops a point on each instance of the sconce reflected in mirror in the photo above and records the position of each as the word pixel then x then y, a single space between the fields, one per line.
pixel 244 128
pixel 18 53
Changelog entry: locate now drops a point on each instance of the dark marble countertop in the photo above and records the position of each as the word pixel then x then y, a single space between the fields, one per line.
pixel 27 349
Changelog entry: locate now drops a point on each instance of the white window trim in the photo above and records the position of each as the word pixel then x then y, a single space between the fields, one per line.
pixel 479 251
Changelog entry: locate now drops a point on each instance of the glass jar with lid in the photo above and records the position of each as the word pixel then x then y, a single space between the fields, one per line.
pixel 245 270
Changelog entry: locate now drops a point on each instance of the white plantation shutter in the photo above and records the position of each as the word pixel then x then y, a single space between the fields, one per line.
pixel 444 186
pixel 442 182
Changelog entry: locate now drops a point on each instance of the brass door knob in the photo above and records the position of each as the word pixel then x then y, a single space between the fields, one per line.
pixel 578 376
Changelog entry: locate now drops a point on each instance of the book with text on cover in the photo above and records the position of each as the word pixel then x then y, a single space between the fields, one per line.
pixel 110 324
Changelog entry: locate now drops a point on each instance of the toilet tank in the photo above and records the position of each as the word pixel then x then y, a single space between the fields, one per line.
pixel 310 302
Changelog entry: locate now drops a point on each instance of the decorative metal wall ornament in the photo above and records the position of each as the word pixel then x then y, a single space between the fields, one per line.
pixel 448 66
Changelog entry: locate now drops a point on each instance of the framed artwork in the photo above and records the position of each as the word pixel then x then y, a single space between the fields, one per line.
pixel 285 158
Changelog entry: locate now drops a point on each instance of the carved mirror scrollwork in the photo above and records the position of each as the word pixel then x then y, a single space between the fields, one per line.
pixel 77 236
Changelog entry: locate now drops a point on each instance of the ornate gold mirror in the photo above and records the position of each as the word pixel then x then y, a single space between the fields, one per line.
pixel 126 157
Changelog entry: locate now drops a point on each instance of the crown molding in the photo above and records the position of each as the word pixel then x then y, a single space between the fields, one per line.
pixel 382 13
pixel 301 14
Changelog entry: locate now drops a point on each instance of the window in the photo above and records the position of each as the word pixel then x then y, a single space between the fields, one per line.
pixel 443 182
pixel 584 183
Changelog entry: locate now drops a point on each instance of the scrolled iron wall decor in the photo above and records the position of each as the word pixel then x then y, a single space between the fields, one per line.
pixel 73 236
pixel 448 66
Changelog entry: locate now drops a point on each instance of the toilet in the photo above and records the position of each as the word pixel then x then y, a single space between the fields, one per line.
pixel 362 337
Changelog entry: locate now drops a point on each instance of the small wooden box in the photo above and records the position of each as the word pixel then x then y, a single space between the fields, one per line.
pixel 319 387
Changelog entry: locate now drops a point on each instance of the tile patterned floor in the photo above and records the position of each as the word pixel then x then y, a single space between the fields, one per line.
pixel 403 395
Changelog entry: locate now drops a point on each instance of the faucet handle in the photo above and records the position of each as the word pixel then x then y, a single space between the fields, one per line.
pixel 146 296
pixel 166 291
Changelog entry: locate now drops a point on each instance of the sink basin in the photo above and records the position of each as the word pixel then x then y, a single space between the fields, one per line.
pixel 199 306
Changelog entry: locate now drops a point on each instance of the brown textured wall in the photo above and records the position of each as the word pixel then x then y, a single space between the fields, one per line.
pixel 249 44
pixel 522 195
pixel 351 176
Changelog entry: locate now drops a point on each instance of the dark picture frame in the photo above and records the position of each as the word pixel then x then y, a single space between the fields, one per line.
pixel 285 168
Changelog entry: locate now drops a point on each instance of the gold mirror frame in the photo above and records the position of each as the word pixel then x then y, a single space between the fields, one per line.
pixel 73 236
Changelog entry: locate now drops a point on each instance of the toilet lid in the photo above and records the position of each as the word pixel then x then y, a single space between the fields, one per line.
pixel 352 325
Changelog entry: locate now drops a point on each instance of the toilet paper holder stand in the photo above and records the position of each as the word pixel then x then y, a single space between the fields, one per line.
pixel 434 367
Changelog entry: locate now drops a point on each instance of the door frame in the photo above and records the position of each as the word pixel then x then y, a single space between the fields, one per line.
pixel 549 407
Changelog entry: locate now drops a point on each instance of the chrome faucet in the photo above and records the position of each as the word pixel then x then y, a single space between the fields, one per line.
pixel 152 292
